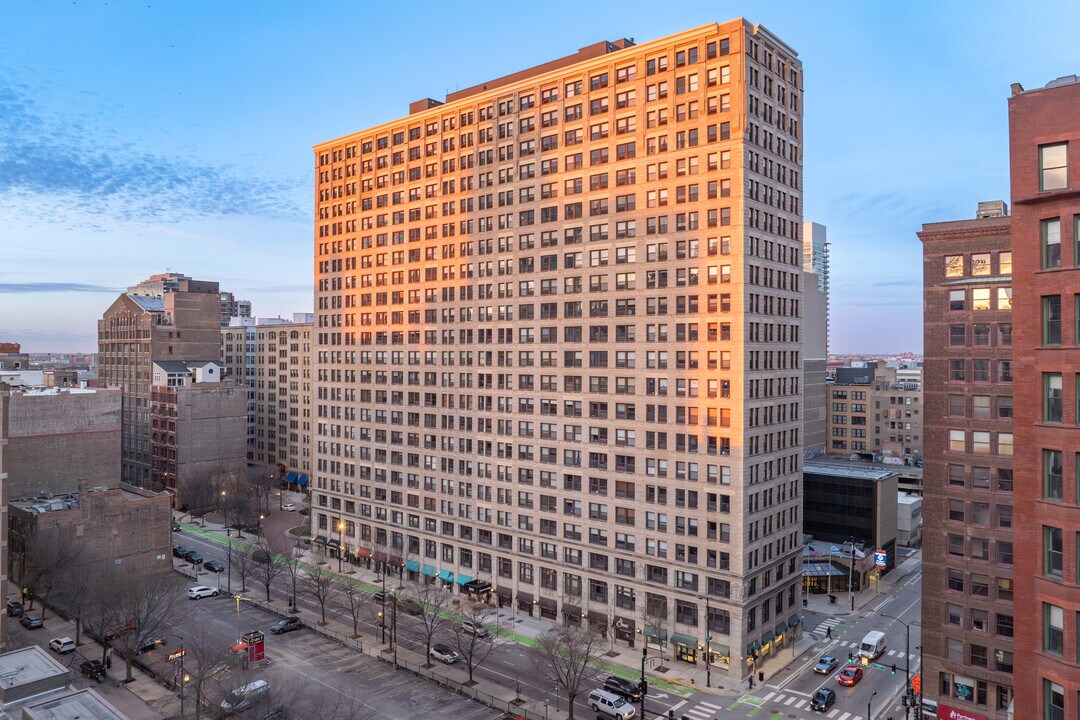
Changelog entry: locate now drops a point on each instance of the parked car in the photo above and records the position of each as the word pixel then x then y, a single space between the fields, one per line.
pixel 826 664
pixel 92 669
pixel 214 566
pixel 286 625
pixel 850 676
pixel 179 551
pixel 194 557
pixel 473 628
pixel 410 607
pixel 175 526
pixel 62 645
pixel 275 712
pixel 304 511
pixel 14 608
pixel 149 644
pixel 31 621
pixel 823 699
pixel 291 507
pixel 624 688
pixel 201 591
pixel 245 696
pixel 443 653
pixel 382 596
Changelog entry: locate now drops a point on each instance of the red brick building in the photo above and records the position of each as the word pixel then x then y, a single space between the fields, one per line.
pixel 967 611
pixel 1044 138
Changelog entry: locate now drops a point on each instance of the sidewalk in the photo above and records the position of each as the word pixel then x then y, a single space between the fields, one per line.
pixel 526 628
pixel 819 604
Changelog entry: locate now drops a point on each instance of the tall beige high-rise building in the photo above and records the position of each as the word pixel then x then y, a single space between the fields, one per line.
pixel 557 342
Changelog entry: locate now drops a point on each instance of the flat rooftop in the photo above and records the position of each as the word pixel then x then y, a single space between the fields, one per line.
pixel 28 665
pixel 84 704
pixel 863 471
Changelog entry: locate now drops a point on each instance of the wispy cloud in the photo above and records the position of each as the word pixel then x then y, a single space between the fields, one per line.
pixel 47 287
pixel 905 282
pixel 59 158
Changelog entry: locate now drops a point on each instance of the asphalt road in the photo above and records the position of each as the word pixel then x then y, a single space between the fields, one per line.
pixel 510 666
pixel 787 695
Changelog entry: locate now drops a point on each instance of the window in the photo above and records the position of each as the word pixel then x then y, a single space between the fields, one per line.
pixel 956 300
pixel 1051 243
pixel 1053 701
pixel 1053 551
pixel 1053 629
pixel 957 441
pixel 1051 320
pixel 1005 263
pixel 1004 298
pixel 957 335
pixel 980 264
pixel 980 299
pixel 954 266
pixel 1052 475
pixel 1053 167
pixel 1052 402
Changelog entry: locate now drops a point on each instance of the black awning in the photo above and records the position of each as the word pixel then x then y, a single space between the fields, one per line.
pixel 571 610
pixel 525 597
pixel 333 544
pixel 597 618
pixel 320 540
pixel 504 592
pixel 548 603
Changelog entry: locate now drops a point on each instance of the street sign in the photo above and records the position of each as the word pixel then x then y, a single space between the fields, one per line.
pixel 879 559
pixel 177 654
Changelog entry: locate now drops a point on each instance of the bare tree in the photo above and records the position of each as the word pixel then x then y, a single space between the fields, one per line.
pixel 567 657
pixel 199 497
pixel 320 585
pixel 132 608
pixel 294 567
pixel 654 621
pixel 242 563
pixel 434 602
pixel 207 653
pixel 259 485
pixel 352 599
pixel 268 564
pixel 475 648
pixel 50 555
pixel 74 594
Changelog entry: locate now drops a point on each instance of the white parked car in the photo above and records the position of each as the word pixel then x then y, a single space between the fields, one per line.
pixel 201 591
pixel 444 653
pixel 473 628
pixel 291 507
pixel 62 645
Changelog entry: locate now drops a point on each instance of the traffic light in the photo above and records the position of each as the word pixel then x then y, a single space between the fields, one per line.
pixel 644 687
pixel 851 657
pixel 894 669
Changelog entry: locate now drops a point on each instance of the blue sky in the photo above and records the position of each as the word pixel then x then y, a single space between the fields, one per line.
pixel 137 137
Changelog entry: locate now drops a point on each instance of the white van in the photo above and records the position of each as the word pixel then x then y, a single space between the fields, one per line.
pixel 872 645
pixel 601 701
pixel 244 697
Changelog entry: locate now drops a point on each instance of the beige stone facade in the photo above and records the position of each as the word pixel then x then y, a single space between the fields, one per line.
pixel 557 340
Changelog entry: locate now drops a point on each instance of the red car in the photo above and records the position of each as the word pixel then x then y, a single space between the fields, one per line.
pixel 850 675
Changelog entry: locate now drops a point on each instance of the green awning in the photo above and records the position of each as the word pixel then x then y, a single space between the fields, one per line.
pixel 651 632
pixel 412 566
pixel 753 647
pixel 766 638
pixel 463 579
pixel 794 620
pixel 428 570
pixel 446 575
pixel 719 649
pixel 684 640
pixel 781 628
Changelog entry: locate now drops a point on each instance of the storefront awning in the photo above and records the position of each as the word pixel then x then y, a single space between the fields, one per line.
pixel 463 579
pixel 625 625
pixel 597 618
pixel 525 597
pixel 396 561
pixel 428 570
pixel 412 566
pixel 320 540
pixel 301 479
pixel 571 610
pixel 780 629
pixel 650 632
pixel 379 557
pixel 793 621
pixel 684 640
pixel 291 477
pixel 753 647
pixel 821 570
pixel 504 592
pixel 363 552
pixel 720 649
pixel 446 576
pixel 333 544
pixel 766 638
pixel 548 603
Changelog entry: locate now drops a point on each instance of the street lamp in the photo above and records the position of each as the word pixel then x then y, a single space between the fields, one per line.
pixel 238 599
pixel 851 580
pixel 341 542
pixel 708 642
pixel 868 705
pixel 907 659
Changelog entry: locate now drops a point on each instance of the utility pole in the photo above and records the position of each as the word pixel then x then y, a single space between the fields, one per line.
pixel 868 717
pixel 851 580
pixel 644 683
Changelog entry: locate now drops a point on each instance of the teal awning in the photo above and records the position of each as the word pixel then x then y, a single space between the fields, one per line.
pixel 766 638
pixel 684 640
pixel 412 566
pixel 651 632
pixel 446 575
pixel 463 579
pixel 753 647
pixel 428 570
pixel 794 620
pixel 781 628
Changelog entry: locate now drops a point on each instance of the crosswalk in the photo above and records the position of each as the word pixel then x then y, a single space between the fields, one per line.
pixel 703 711
pixel 821 629
pixel 896 655
pixel 795 702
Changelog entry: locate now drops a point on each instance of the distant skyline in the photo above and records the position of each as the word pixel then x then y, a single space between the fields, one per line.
pixel 139 138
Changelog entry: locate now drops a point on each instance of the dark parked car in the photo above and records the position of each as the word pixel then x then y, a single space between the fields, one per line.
pixel 32 621
pixel 410 606
pixel 194 557
pixel 382 595
pixel 214 566
pixel 286 625
pixel 823 699
pixel 93 669
pixel 623 688
pixel 175 526
pixel 149 644
pixel 179 551
pixel 14 608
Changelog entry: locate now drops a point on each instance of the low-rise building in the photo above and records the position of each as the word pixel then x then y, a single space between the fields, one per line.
pixel 37 686
pixel 908 519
